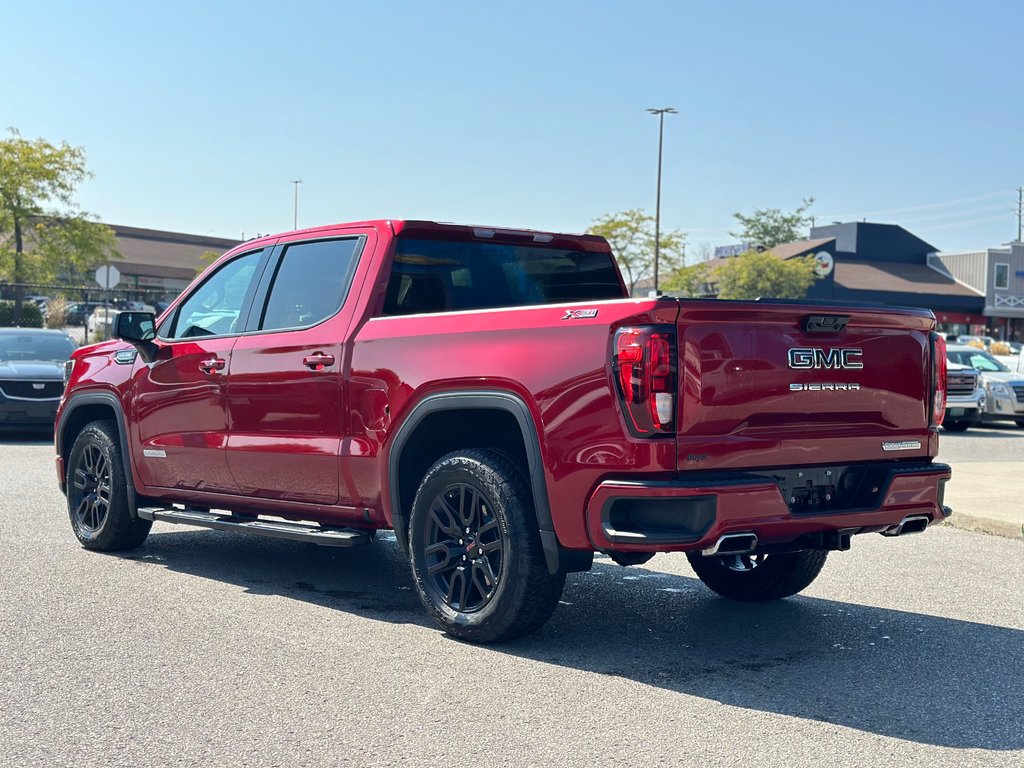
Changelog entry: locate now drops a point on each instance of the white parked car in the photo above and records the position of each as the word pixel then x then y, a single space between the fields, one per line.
pixel 102 320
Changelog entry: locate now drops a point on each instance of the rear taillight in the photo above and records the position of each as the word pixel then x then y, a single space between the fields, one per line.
pixel 644 363
pixel 938 379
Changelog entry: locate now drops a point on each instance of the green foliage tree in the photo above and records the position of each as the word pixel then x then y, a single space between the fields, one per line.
pixel 756 274
pixel 688 281
pixel 631 235
pixel 206 258
pixel 43 233
pixel 767 227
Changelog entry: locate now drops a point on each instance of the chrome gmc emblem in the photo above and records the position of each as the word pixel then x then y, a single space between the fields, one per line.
pixel 815 357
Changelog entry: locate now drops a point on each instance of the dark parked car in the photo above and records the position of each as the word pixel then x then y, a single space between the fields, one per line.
pixel 31 376
pixel 79 311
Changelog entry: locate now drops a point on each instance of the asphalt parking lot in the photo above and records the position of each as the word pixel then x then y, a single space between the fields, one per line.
pixel 203 648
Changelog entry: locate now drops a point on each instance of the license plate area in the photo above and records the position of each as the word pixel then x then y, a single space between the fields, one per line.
pixel 821 490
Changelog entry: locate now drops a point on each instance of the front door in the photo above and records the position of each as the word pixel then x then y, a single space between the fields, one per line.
pixel 179 401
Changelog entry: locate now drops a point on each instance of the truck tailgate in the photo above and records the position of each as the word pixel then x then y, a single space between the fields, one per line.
pixel 762 386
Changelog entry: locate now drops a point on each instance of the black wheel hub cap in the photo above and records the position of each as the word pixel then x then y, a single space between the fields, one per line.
pixel 463 548
pixel 92 482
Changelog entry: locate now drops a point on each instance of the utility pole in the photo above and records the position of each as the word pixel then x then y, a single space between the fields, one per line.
pixel 657 206
pixel 295 218
pixel 1020 214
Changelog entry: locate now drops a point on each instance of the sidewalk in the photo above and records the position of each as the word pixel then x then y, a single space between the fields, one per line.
pixel 988 497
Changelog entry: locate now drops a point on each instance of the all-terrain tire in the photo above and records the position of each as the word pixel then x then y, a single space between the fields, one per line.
pixel 761 577
pixel 98 493
pixel 477 559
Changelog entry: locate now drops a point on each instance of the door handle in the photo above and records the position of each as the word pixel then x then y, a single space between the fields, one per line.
pixel 212 365
pixel 318 361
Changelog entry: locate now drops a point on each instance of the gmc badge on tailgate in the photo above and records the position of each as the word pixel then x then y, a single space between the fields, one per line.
pixel 816 357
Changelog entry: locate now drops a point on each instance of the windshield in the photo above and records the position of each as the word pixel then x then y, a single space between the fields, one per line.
pixel 979 360
pixel 35 347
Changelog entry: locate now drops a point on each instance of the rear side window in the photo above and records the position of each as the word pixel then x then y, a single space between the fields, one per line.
pixel 311 282
pixel 443 276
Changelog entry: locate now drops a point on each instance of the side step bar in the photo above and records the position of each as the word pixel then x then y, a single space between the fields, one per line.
pixel 330 537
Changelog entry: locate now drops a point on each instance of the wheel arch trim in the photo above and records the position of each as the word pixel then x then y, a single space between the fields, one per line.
pixel 477 400
pixel 111 401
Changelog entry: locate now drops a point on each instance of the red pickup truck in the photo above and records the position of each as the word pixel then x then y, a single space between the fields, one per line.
pixel 495 398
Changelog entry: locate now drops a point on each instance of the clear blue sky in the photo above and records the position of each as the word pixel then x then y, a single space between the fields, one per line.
pixel 196 115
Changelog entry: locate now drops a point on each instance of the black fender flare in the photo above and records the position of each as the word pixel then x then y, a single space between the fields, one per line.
pixel 111 400
pixel 479 400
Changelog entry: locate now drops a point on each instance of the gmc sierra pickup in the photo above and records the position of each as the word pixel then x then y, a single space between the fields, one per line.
pixel 495 398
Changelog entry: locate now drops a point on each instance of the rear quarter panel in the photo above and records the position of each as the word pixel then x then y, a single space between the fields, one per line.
pixel 558 367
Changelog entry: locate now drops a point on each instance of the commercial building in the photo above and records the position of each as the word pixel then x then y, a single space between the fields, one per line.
pixel 884 263
pixel 998 274
pixel 160 264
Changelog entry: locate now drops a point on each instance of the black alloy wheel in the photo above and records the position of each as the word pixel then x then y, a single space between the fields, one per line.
pixel 97 488
pixel 91 489
pixel 477 560
pixel 465 548
pixel 756 577
pixel 741 563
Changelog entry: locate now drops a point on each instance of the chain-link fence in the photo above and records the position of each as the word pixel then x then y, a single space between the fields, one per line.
pixel 86 313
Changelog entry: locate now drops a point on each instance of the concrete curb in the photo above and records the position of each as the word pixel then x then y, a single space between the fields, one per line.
pixel 988 497
pixel 968 522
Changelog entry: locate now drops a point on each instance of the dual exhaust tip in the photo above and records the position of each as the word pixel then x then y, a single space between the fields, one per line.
pixel 732 544
pixel 746 542
pixel 909 524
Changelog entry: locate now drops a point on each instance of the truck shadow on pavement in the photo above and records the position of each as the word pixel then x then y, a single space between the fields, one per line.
pixel 904 675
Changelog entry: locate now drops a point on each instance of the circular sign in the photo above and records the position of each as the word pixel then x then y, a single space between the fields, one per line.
pixel 108 276
pixel 823 263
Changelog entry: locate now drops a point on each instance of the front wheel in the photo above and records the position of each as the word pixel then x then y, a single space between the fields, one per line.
pixel 477 559
pixel 98 493
pixel 757 578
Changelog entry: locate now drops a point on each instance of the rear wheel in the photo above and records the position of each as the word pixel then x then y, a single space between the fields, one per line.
pixel 98 494
pixel 758 577
pixel 477 559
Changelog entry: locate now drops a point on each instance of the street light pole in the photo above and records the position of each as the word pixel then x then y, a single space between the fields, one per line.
pixel 295 218
pixel 657 206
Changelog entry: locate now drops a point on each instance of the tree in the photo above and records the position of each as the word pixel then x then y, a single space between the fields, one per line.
pixel 767 227
pixel 631 234
pixel 206 258
pixel 689 281
pixel 43 234
pixel 755 274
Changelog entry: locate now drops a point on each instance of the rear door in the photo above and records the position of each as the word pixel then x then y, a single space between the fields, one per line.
pixel 286 388
pixel 763 385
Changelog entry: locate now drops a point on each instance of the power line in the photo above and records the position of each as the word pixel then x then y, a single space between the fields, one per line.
pixel 957 214
pixel 971 222
pixel 929 206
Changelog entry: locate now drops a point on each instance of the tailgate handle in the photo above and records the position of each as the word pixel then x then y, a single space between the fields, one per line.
pixel 825 323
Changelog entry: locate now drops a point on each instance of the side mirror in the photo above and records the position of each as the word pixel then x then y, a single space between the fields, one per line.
pixel 139 330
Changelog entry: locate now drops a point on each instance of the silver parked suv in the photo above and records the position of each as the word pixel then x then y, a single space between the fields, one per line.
pixel 1004 389
pixel 965 398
